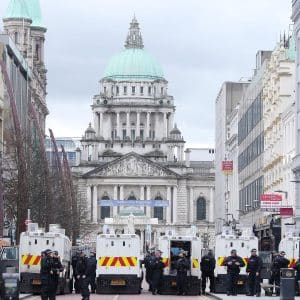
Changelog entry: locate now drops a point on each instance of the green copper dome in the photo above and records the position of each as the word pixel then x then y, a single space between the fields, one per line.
pixel 34 10
pixel 133 63
pixel 17 9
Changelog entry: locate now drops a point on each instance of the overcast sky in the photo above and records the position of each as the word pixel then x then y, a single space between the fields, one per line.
pixel 199 44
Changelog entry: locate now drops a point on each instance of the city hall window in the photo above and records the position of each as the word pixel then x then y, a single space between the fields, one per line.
pixel 133 90
pixel 158 211
pixel 125 90
pixel 149 90
pixel 201 209
pixel 142 90
pixel 104 211
pixel 117 90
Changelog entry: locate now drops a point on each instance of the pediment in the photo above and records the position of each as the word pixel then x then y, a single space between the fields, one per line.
pixel 132 165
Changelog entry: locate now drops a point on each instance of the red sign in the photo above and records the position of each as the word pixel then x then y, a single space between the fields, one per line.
pixel 286 211
pixel 227 166
pixel 270 197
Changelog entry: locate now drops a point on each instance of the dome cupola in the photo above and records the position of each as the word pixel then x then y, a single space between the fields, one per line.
pixel 133 63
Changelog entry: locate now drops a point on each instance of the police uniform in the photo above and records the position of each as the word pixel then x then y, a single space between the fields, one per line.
pixel 207 266
pixel 253 269
pixel 56 268
pixel 82 271
pixel 48 287
pixel 297 276
pixel 75 259
pixel 157 267
pixel 182 265
pixel 92 265
pixel 148 262
pixel 279 262
pixel 233 264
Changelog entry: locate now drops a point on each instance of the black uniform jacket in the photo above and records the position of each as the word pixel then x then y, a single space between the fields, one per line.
pixel 207 264
pixel 254 265
pixel 234 263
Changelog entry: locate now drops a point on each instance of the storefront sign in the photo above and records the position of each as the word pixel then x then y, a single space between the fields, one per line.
pixel 286 211
pixel 270 197
pixel 227 166
pixel 151 203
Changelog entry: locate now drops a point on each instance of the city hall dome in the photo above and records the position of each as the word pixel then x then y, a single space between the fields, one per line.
pixel 133 63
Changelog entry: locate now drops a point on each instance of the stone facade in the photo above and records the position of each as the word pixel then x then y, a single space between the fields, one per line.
pixel 279 124
pixel 134 151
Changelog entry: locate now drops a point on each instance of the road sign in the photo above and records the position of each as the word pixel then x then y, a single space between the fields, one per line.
pixel 227 166
pixel 286 211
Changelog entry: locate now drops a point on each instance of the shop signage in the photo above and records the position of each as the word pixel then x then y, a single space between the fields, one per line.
pixel 286 211
pixel 270 197
pixel 270 201
pixel 227 166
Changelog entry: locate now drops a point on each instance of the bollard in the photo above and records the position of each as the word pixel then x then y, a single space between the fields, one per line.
pixel 287 284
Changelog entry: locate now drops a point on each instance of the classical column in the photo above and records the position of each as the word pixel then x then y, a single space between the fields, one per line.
pixel 171 122
pixel 142 241
pixel 89 201
pixel 148 208
pixel 121 196
pixel 138 122
pixel 101 124
pixel 211 205
pixel 147 135
pixel 128 124
pixel 95 204
pixel 191 204
pixel 169 206
pixel 165 133
pixel 156 125
pixel 118 125
pixel 115 208
pixel 96 123
pixel 175 204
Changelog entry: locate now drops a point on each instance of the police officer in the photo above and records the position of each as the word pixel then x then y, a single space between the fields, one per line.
pixel 56 268
pixel 92 265
pixel 207 266
pixel 279 262
pixel 48 287
pixel 149 257
pixel 253 269
pixel 233 263
pixel 83 273
pixel 75 259
pixel 157 267
pixel 297 276
pixel 182 265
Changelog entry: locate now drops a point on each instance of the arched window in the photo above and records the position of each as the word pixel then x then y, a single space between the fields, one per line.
pixel 158 211
pixel 201 209
pixel 104 210
pixel 16 38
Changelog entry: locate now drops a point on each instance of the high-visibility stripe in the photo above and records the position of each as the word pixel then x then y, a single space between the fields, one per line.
pixel 165 260
pixel 221 260
pixel 292 262
pixel 195 263
pixel 31 260
pixel 116 261
pixel 245 259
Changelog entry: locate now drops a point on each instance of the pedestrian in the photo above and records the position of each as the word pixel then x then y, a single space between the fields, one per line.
pixel 279 262
pixel 75 259
pixel 56 268
pixel 297 276
pixel 157 267
pixel 92 265
pixel 48 291
pixel 182 266
pixel 149 257
pixel 253 269
pixel 234 263
pixel 82 274
pixel 207 266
